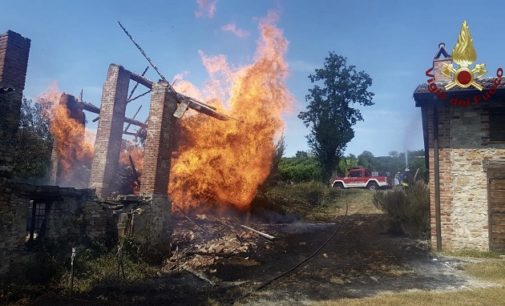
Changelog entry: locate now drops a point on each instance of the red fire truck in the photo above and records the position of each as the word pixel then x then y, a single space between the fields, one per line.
pixel 360 177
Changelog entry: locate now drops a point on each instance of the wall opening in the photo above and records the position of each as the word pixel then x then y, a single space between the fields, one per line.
pixel 36 224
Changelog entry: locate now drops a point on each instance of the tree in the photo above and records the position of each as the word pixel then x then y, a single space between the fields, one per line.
pixel 346 163
pixel 274 175
pixel 34 143
pixel 367 160
pixel 330 114
pixel 301 168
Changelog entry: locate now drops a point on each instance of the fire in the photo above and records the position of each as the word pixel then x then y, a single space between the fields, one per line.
pixel 224 162
pixel 136 153
pixel 73 144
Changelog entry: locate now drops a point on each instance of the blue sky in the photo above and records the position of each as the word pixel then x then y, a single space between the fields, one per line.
pixel 73 42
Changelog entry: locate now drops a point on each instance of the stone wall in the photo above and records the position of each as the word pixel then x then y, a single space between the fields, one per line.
pixel 73 217
pixel 464 150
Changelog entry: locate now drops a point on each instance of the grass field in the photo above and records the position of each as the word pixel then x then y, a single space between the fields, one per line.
pixel 314 201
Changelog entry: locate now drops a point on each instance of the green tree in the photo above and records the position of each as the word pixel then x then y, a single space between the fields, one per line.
pixel 346 163
pixel 301 168
pixel 367 160
pixel 274 175
pixel 34 144
pixel 330 114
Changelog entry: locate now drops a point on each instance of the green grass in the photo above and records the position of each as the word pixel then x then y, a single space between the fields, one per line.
pixel 471 253
pixel 315 201
pixel 93 271
pixel 42 273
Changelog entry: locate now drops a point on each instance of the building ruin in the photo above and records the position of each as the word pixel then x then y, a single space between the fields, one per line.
pixel 67 216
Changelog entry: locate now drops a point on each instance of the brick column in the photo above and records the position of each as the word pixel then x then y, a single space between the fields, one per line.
pixel 14 51
pixel 110 130
pixel 153 227
pixel 158 151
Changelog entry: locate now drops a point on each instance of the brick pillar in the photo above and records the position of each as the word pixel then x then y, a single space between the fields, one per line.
pixel 14 50
pixel 153 227
pixel 158 151
pixel 110 130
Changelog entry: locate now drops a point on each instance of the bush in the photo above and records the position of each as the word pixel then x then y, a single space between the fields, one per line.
pixel 407 210
pixel 302 168
pixel 93 268
pixel 295 200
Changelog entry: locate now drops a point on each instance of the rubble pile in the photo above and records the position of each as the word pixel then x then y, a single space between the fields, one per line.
pixel 200 241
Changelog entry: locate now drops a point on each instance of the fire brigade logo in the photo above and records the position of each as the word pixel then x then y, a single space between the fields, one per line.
pixel 464 55
pixel 462 73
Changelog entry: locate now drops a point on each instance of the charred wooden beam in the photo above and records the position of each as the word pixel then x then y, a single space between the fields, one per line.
pixel 135 87
pixel 94 109
pixel 141 80
pixel 190 102
pixel 265 235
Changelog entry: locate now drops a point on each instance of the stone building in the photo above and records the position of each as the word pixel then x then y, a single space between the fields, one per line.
pixel 464 139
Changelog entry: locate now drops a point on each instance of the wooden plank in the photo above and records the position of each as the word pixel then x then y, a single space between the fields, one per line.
pixel 497 184
pixel 496 199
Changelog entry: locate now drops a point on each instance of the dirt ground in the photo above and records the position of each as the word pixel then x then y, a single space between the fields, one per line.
pixel 359 260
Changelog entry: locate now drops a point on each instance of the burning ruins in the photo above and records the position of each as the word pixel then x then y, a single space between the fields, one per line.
pixel 189 155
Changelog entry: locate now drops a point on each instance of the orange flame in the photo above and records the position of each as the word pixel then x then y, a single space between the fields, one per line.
pixel 73 144
pixel 224 162
pixel 136 152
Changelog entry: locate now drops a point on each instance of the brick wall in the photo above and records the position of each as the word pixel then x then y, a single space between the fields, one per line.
pixel 110 130
pixel 437 69
pixel 464 149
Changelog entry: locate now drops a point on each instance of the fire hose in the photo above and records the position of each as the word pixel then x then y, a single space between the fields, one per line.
pixel 301 263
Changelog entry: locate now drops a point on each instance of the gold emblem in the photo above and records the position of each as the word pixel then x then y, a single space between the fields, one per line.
pixel 464 55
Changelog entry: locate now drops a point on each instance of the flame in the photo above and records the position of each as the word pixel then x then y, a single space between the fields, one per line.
pixel 464 53
pixel 136 152
pixel 73 144
pixel 224 162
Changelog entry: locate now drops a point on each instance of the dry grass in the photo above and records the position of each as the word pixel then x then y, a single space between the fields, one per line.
pixel 492 270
